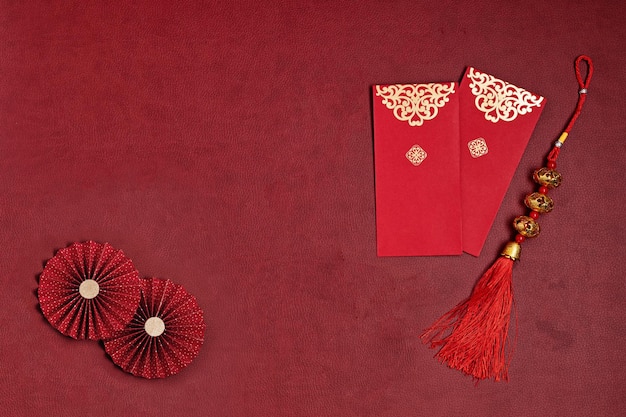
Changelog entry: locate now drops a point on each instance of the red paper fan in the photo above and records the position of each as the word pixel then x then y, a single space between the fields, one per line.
pixel 164 336
pixel 89 290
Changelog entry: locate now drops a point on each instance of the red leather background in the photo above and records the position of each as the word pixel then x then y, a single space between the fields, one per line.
pixel 228 146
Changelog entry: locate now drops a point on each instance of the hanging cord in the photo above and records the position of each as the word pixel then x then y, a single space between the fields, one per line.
pixel 583 84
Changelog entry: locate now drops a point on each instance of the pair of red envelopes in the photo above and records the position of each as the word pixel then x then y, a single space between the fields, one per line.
pixel 445 154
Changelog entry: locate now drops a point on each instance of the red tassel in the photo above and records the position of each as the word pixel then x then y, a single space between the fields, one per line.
pixel 473 335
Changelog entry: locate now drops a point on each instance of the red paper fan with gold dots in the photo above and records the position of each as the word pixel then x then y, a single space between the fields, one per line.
pixel 89 290
pixel 164 336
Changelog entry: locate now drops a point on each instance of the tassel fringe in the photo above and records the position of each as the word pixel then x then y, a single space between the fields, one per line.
pixel 472 337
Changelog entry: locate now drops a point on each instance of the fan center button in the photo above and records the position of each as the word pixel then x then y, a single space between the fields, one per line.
pixel 154 326
pixel 89 289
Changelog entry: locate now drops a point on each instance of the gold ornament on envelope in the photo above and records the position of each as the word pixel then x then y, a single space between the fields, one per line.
pixel 478 147
pixel 416 155
pixel 500 100
pixel 415 103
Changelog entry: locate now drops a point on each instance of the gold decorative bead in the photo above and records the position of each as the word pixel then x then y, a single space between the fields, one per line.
pixel 526 226
pixel 512 250
pixel 539 202
pixel 547 177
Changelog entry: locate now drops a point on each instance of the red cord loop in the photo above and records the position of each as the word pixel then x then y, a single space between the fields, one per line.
pixel 584 83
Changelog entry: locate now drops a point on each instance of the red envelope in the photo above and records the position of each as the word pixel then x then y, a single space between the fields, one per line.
pixel 416 154
pixel 496 122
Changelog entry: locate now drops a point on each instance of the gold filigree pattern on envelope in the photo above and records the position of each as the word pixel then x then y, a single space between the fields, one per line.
pixel 416 155
pixel 478 147
pixel 499 100
pixel 415 103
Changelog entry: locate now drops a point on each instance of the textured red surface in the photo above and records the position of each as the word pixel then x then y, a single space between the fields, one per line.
pixel 229 148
